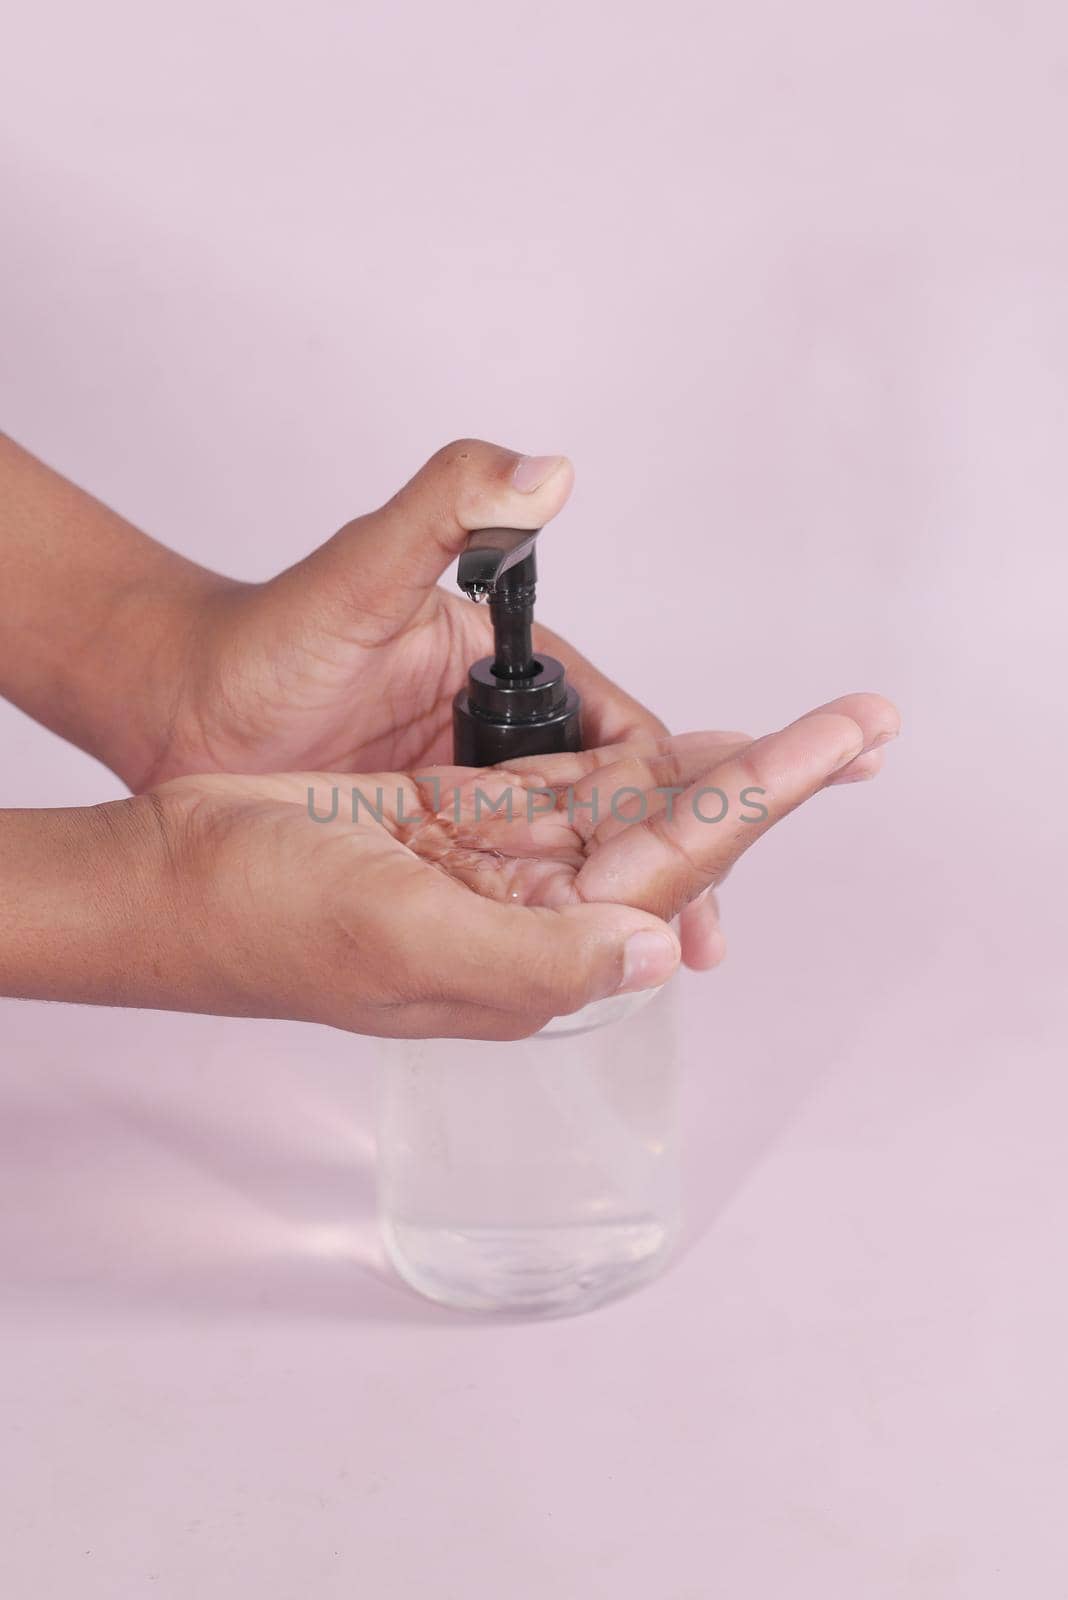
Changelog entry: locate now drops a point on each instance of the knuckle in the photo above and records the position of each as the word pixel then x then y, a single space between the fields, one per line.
pixel 458 454
pixel 556 989
pixel 751 771
pixel 663 830
pixel 471 474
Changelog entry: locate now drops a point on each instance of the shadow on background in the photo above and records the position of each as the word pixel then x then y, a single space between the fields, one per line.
pixel 112 1201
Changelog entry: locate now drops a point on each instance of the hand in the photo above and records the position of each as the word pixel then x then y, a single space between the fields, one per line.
pixel 349 661
pixel 473 904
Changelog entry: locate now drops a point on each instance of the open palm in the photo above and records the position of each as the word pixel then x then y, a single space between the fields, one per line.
pixel 481 903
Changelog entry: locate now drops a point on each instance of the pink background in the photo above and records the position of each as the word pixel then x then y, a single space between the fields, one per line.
pixel 789 283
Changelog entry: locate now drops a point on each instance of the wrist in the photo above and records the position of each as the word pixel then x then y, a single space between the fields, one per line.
pixel 170 630
pixel 100 621
pixel 87 905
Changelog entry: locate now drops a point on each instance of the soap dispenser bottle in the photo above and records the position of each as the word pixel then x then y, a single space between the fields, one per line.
pixel 537 1176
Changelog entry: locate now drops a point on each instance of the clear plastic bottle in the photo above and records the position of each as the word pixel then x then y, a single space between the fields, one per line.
pixel 537 1177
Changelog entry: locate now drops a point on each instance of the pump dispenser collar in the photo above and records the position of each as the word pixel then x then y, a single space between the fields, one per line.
pixel 517 702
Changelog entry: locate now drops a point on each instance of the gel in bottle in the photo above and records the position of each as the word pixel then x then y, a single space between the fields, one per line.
pixel 538 1176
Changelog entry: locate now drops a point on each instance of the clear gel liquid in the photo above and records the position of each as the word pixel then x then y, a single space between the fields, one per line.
pixel 540 1176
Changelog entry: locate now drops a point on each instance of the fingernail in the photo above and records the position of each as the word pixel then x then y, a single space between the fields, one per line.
pixel 649 959
pixel 532 471
pixel 884 738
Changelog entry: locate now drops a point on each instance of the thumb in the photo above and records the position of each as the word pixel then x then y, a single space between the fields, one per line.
pixel 381 566
pixel 530 962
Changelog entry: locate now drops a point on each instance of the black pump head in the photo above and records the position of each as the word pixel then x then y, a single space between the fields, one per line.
pixel 517 702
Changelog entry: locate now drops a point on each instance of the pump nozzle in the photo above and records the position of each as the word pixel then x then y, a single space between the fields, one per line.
pixel 517 703
pixel 499 563
pixel 490 553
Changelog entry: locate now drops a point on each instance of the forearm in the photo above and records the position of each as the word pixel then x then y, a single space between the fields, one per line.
pixel 96 618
